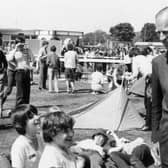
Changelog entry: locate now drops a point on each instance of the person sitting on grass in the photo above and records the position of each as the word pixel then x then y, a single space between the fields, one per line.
pixel 97 80
pixel 57 130
pixel 118 152
pixel 26 149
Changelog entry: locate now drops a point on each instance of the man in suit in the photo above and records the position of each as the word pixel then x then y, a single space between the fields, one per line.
pixel 160 92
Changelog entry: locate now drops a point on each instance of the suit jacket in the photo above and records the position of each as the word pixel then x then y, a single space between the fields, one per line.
pixel 160 98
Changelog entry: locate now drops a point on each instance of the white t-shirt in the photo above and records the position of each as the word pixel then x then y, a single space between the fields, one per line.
pixel 70 59
pixel 97 81
pixel 23 155
pixel 53 156
pixel 89 144
pixel 141 64
pixel 97 78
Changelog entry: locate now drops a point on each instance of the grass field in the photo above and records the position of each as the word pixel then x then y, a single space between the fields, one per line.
pixel 67 102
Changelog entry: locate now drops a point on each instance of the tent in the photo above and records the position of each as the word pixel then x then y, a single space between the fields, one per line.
pixel 114 112
pixel 138 87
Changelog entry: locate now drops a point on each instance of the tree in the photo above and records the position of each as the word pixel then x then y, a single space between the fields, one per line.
pixel 148 33
pixel 123 32
pixel 95 38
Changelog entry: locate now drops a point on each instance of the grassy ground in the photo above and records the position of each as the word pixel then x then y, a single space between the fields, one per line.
pixel 67 102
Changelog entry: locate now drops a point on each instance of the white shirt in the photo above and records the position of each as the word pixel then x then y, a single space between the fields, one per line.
pixel 22 60
pixel 10 59
pixel 42 52
pixel 23 155
pixel 142 64
pixel 54 157
pixel 97 78
pixel 70 59
pixel 90 144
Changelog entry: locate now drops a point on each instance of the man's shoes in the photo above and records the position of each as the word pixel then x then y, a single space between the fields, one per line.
pixel 146 128
pixel 73 91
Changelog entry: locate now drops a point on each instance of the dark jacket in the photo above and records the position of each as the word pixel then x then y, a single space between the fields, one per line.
pixel 53 61
pixel 3 62
pixel 160 99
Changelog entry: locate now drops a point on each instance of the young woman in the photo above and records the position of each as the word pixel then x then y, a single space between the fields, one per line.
pixel 26 149
pixel 58 134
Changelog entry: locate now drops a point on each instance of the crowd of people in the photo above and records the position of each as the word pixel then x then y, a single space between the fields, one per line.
pixel 46 140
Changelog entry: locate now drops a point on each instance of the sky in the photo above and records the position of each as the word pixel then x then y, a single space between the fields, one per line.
pixel 77 15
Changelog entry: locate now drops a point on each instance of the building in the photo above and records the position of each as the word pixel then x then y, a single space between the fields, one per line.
pixel 10 34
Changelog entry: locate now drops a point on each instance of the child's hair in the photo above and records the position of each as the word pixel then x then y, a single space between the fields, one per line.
pixel 70 47
pixel 44 43
pixel 54 123
pixel 20 115
pixel 99 68
pixel 105 137
pixel 53 48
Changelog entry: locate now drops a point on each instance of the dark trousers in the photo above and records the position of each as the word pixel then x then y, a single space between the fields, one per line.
pixel 11 83
pixel 164 154
pixel 22 87
pixel 148 101
pixel 140 158
pixel 43 75
pixel 2 83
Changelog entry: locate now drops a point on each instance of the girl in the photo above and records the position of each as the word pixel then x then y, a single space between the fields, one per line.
pixel 26 149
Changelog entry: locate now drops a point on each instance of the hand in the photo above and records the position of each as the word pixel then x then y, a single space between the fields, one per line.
pixel 156 148
pixel 80 162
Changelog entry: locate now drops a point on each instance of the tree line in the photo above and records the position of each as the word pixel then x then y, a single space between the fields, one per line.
pixel 122 32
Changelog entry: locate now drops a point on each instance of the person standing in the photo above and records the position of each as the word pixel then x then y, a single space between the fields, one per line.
pixel 42 57
pixel 160 92
pixel 70 63
pixel 10 73
pixel 53 63
pixel 22 77
pixel 3 68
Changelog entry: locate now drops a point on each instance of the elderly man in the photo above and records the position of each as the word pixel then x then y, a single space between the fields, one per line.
pixel 160 91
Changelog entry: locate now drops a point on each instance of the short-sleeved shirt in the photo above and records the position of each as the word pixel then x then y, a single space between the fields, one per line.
pixel 54 157
pixel 70 59
pixel 97 78
pixel 23 155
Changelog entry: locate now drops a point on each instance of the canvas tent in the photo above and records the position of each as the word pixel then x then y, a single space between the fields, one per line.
pixel 138 87
pixel 115 112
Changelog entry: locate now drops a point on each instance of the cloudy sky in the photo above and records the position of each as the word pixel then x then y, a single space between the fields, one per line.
pixel 77 15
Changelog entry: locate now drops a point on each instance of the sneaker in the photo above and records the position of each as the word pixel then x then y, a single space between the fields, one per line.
pixel 51 91
pixel 73 91
pixel 146 128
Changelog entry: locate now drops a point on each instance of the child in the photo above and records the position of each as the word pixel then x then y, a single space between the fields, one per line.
pixel 58 134
pixel 25 151
pixel 97 80
pixel 53 69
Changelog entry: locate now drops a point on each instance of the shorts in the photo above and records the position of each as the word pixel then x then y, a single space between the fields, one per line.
pixel 70 74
